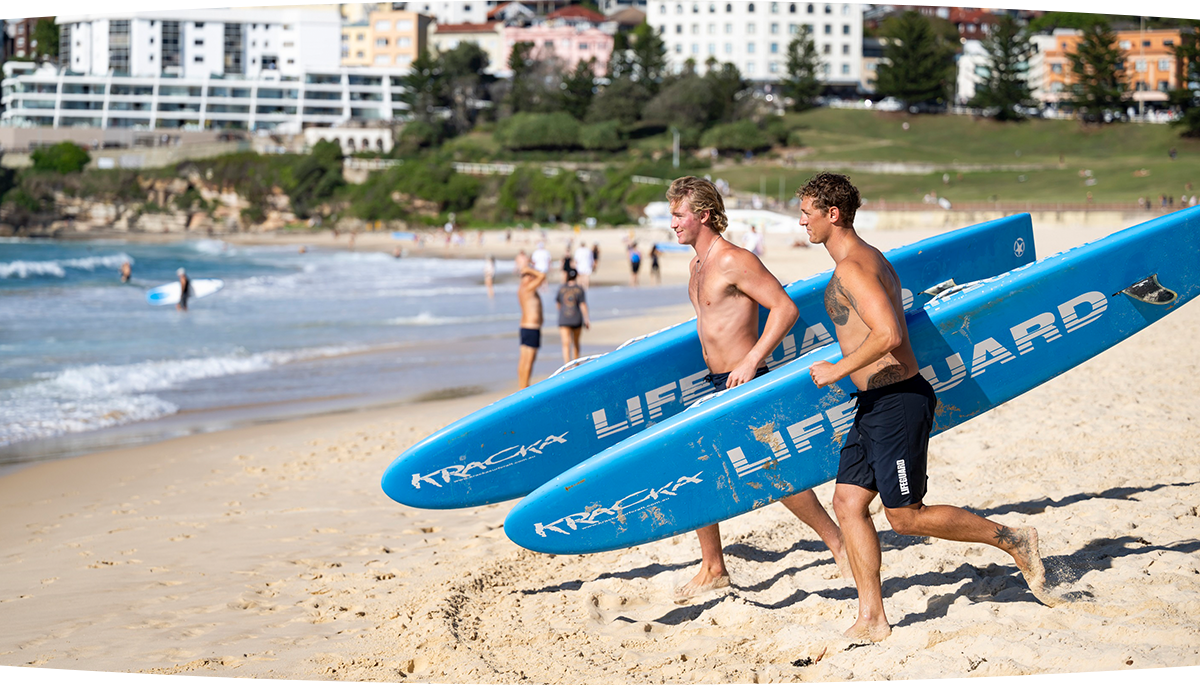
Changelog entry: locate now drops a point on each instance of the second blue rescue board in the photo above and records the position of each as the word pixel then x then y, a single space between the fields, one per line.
pixel 780 434
pixel 512 446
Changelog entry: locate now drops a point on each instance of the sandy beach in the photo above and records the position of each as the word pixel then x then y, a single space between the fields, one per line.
pixel 270 551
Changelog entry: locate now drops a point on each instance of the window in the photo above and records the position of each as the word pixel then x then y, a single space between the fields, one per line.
pixel 381 42
pixel 774 28
pixel 233 48
pixel 793 29
pixel 198 58
pixel 198 25
pixel 712 48
pixel 678 28
pixel 829 29
pixel 749 67
pixel 750 28
pixel 845 29
pixel 1164 64
pixel 404 42
pixel 1056 68
pixel 695 8
pixel 750 8
pixel 198 42
pixel 773 67
pixel 749 48
pixel 712 29
pixel 360 37
pixel 695 49
pixel 382 60
pixel 118 45
pixel 728 8
pixel 407 25
pixel 791 8
pixel 695 29
pixel 1145 43
pixel 1125 45
pixel 403 59
pixel 1168 43
pixel 729 28
pixel 810 8
pixel 1163 86
pixel 827 49
pixel 170 44
pixel 383 26
pixel 729 48
pixel 583 47
pixel 845 69
pixel 828 9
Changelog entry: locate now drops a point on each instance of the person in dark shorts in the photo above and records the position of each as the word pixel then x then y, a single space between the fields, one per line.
pixel 885 452
pixel 635 263
pixel 531 317
pixel 572 314
pixel 655 274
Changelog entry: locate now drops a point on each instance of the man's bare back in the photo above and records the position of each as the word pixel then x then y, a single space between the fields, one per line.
pixel 531 301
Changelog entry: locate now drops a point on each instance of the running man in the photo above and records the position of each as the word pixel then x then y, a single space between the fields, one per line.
pixel 531 317
pixel 884 454
pixel 726 287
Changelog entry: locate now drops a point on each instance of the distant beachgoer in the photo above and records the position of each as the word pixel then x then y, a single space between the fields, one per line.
pixel 126 272
pixel 303 249
pixel 489 273
pixel 185 289
pixel 635 263
pixel 752 241
pixel 585 262
pixel 572 314
pixel 595 256
pixel 531 318
pixel 541 258
pixel 655 274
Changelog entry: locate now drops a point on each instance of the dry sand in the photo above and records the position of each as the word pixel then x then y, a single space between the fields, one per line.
pixel 270 551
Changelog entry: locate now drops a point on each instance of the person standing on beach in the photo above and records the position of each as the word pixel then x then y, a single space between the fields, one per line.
pixel 531 318
pixel 185 289
pixel 884 454
pixel 489 274
pixel 655 274
pixel 572 315
pixel 635 263
pixel 584 264
pixel 727 286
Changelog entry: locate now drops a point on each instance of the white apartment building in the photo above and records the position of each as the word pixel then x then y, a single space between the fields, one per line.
pixel 451 11
pixel 199 69
pixel 754 35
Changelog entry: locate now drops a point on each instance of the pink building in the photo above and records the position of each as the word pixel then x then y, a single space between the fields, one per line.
pixel 572 34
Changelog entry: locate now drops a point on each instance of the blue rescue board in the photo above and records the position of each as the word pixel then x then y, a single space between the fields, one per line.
pixel 512 446
pixel 779 434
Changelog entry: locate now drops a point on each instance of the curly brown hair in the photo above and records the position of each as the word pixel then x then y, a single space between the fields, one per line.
pixel 702 196
pixel 833 190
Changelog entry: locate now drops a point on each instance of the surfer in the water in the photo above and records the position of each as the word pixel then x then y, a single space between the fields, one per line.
pixel 531 317
pixel 185 289
pixel 884 453
pixel 726 287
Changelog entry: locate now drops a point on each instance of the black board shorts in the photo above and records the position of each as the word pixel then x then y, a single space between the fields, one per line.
pixel 887 447
pixel 720 380
pixel 531 337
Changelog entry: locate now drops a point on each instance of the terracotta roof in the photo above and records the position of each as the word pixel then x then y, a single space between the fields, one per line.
pixel 467 28
pixel 577 12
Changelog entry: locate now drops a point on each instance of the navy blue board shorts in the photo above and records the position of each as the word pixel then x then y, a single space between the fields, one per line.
pixel 531 337
pixel 720 380
pixel 886 448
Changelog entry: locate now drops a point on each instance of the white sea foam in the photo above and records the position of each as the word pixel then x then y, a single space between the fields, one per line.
pixel 100 396
pixel 58 267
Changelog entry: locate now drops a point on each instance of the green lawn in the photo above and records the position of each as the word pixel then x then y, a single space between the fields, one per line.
pixel 1112 153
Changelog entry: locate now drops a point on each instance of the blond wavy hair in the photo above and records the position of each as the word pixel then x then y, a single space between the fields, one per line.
pixel 702 196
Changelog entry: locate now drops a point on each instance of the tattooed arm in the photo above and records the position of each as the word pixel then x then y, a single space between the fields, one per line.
pixel 857 300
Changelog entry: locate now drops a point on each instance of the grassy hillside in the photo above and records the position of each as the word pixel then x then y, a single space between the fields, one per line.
pixel 1127 161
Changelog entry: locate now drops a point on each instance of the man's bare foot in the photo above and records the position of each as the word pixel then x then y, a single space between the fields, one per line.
pixel 1022 544
pixel 702 584
pixel 867 630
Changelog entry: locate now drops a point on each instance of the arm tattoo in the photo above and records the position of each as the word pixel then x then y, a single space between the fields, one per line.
pixel 836 311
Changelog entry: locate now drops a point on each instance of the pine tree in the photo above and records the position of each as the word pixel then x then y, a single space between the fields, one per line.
pixel 1006 89
pixel 1099 70
pixel 803 63
pixel 917 65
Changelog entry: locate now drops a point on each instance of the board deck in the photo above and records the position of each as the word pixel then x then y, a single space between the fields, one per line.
pixel 512 446
pixel 169 292
pixel 779 434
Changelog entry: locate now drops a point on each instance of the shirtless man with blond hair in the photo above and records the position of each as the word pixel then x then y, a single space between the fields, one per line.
pixel 884 454
pixel 726 287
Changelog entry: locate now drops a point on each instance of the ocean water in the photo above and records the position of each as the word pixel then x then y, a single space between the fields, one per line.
pixel 86 362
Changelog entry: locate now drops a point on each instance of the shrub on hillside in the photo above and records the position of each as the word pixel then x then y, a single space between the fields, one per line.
pixel 64 158
pixel 534 131
pixel 743 136
pixel 603 136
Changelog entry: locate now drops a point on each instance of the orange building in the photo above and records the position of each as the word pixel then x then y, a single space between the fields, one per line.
pixel 1151 68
